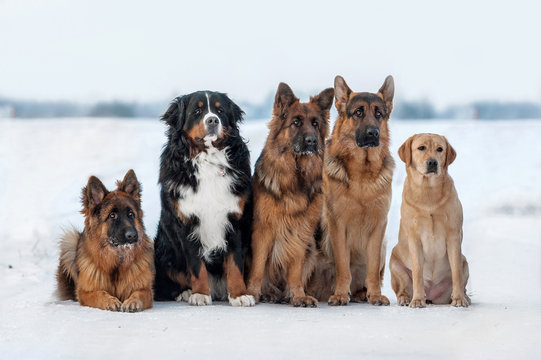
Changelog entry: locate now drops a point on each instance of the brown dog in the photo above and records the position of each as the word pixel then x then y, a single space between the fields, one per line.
pixel 288 198
pixel 357 179
pixel 427 263
pixel 110 265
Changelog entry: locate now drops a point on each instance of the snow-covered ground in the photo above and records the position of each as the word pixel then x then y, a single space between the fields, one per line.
pixel 44 164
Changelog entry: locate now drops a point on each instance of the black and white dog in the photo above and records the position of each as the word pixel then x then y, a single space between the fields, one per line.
pixel 205 186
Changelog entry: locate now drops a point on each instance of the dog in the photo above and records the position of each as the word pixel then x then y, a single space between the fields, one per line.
pixel 288 199
pixel 110 265
pixel 357 176
pixel 205 180
pixel 427 264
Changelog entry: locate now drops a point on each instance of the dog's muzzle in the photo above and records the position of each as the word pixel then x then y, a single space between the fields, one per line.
pixel 370 138
pixel 212 125
pixel 308 145
pixel 432 166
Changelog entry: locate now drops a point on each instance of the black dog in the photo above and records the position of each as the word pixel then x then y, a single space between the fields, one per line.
pixel 205 186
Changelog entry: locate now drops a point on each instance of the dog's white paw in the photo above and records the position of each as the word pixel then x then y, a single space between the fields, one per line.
pixel 243 300
pixel 199 300
pixel 184 296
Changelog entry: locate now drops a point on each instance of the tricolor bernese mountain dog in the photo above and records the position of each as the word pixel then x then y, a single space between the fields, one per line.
pixel 203 233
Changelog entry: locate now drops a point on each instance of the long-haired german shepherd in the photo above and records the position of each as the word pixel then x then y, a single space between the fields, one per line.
pixel 288 198
pixel 357 178
pixel 110 265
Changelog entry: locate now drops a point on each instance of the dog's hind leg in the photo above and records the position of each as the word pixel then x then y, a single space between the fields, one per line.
pixel 400 282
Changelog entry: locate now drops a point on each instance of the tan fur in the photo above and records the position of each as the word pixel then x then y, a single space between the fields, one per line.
pixel 103 276
pixel 287 203
pixel 427 263
pixel 357 187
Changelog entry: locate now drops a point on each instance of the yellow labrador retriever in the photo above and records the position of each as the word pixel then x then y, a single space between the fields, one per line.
pixel 427 264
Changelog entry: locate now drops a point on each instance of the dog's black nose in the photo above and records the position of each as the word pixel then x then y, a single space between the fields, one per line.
pixel 372 132
pixel 310 140
pixel 131 235
pixel 432 165
pixel 212 121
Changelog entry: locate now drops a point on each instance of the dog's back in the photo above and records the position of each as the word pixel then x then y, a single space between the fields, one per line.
pixel 66 274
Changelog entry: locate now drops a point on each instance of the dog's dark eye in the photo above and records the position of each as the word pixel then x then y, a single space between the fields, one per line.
pixel 220 111
pixel 297 123
pixel 359 111
pixel 422 148
pixel 314 123
pixel 130 214
pixel 378 114
pixel 113 215
pixel 197 111
pixel 440 149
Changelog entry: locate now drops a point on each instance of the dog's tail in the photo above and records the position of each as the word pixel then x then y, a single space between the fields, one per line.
pixel 66 275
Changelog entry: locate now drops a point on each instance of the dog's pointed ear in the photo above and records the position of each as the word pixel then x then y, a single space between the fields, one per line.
pixel 93 193
pixel 283 100
pixel 387 93
pixel 324 99
pixel 130 185
pixel 175 115
pixel 341 93
pixel 404 152
pixel 450 153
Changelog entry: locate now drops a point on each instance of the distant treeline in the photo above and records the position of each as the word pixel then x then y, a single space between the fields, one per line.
pixel 403 109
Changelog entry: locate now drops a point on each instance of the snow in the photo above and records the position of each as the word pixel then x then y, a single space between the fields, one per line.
pixel 45 163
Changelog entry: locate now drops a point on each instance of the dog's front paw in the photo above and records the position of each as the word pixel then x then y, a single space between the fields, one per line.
pixel 418 303
pixel 378 299
pixel 337 299
pixel 199 299
pixel 460 301
pixel 132 305
pixel 243 300
pixel 110 303
pixel 304 301
pixel 403 300
pixel 184 296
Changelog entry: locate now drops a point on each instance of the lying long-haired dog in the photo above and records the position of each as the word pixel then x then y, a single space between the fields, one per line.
pixel 110 265
pixel 205 184
pixel 357 178
pixel 427 263
pixel 288 198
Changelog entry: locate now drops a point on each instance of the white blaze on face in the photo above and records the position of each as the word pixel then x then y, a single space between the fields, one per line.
pixel 211 114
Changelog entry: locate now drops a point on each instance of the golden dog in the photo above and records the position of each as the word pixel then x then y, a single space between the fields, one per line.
pixel 427 263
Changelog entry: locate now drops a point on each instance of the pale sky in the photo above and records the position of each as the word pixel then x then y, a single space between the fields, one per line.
pixel 448 52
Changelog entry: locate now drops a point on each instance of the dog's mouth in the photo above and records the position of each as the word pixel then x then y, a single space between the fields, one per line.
pixel 431 170
pixel 367 143
pixel 305 150
pixel 114 242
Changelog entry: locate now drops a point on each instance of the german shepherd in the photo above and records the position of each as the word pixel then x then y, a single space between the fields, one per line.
pixel 288 198
pixel 110 265
pixel 357 178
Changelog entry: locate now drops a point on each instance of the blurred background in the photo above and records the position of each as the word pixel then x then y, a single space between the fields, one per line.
pixel 459 59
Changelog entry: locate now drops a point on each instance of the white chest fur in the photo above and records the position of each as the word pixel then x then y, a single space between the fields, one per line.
pixel 213 200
